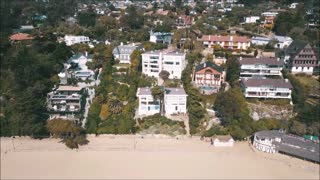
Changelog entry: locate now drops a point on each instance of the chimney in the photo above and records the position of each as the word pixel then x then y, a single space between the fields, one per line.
pixel 86 53
pixel 231 38
pixel 133 44
pixel 204 65
pixel 121 43
pixel 278 59
pixel 240 58
pixel 286 80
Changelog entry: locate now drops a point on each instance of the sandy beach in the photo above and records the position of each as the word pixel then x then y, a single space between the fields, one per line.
pixel 132 157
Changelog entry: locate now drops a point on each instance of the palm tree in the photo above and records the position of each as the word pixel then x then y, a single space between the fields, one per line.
pixel 158 94
pixel 164 75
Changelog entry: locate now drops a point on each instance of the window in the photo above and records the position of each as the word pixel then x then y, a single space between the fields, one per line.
pixel 176 108
pixel 177 63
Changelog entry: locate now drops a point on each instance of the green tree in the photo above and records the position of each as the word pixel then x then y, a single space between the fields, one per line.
pixel 158 95
pixel 164 75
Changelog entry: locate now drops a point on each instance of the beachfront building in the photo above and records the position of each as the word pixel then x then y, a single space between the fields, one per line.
pixel 222 141
pixel 123 52
pixel 71 40
pixel 266 88
pixel 208 76
pixel 226 42
pixel 64 102
pixel 153 62
pixel 275 141
pixel 262 67
pixel 175 101
pixel 160 37
pixel 300 57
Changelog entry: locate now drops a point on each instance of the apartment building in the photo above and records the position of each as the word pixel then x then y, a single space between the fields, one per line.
pixel 64 100
pixel 154 62
pixel 266 88
pixel 123 52
pixel 263 67
pixel 175 101
pixel 226 42
pixel 300 57
pixel 71 40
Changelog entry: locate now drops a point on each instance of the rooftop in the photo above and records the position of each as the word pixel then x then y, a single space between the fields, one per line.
pixel 222 138
pixel 209 64
pixel 261 60
pixel 225 38
pixel 20 37
pixel 69 88
pixel 169 91
pixel 279 83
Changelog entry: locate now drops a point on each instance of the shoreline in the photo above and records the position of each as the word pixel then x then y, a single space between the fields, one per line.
pixel 162 157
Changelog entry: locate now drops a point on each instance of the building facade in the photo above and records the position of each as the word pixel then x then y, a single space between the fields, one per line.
pixel 222 141
pixel 209 74
pixel 71 40
pixel 260 41
pixel 300 57
pixel 64 102
pixel 266 88
pixel 282 41
pixel 154 62
pixel 252 67
pixel 175 101
pixel 123 52
pixel 226 42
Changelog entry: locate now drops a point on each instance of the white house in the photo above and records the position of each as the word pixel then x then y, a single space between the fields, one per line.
pixel 175 101
pixel 123 52
pixel 160 37
pixel 222 141
pixel 282 41
pixel 71 40
pixel 251 19
pixel 226 42
pixel 266 88
pixel 260 41
pixel 77 66
pixel 263 66
pixel 154 62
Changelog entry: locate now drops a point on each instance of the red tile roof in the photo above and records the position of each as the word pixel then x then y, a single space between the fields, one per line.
pixel 216 38
pixel 20 37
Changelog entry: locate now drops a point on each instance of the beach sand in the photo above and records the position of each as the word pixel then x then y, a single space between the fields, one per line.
pixel 131 157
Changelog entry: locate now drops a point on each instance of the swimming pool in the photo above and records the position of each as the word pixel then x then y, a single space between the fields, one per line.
pixel 208 88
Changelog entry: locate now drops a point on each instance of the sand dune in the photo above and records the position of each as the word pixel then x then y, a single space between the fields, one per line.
pixel 129 157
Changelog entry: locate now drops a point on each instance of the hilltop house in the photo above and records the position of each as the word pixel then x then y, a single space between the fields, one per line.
pixel 77 67
pixel 71 40
pixel 64 102
pixel 266 88
pixel 123 52
pixel 183 21
pixel 208 76
pixel 252 67
pixel 260 41
pixel 160 37
pixel 300 57
pixel 20 37
pixel 226 42
pixel 154 62
pixel 282 41
pixel 175 101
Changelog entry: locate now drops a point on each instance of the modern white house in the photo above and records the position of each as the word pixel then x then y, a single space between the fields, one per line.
pixel 251 19
pixel 282 41
pixel 262 67
pixel 175 101
pixel 154 62
pixel 160 37
pixel 222 141
pixel 71 40
pixel 266 88
pixel 77 66
pixel 260 41
pixel 123 52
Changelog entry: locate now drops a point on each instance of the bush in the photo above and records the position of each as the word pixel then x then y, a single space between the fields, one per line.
pixel 70 143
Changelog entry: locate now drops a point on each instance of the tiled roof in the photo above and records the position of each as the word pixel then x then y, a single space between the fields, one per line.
pixel 20 37
pixel 225 38
pixel 280 83
pixel 209 64
pixel 295 47
pixel 261 60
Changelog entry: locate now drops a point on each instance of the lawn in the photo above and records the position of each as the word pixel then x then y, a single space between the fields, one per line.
pixel 310 83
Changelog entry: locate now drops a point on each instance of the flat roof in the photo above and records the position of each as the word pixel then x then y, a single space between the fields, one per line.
pixel 69 88
pixel 261 60
pixel 280 83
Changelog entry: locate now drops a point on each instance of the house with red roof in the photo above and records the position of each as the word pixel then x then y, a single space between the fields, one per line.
pixel 20 37
pixel 226 42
